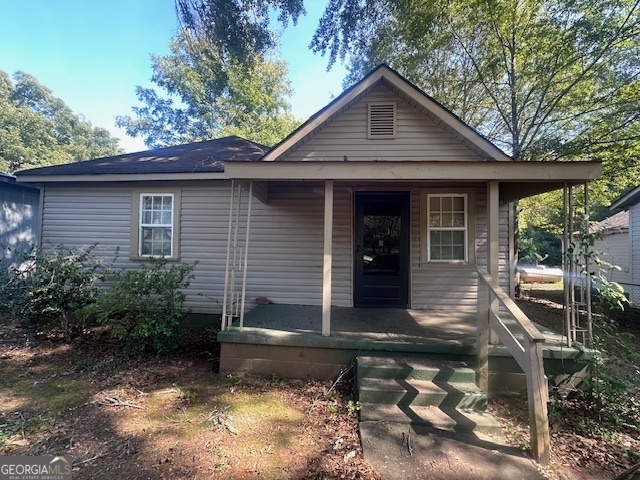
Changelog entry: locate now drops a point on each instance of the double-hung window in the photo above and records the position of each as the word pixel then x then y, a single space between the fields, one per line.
pixel 447 227
pixel 155 224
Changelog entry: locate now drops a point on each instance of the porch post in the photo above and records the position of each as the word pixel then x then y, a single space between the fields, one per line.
pixel 246 256
pixel 224 324
pixel 326 268
pixel 493 244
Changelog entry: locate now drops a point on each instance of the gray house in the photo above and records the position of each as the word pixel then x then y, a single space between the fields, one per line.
pixel 19 216
pixel 620 242
pixel 383 224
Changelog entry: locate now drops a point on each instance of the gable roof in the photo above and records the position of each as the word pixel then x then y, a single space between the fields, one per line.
pixel 627 200
pixel 404 88
pixel 613 224
pixel 197 157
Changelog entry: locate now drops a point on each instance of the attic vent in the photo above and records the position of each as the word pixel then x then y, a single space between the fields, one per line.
pixel 382 120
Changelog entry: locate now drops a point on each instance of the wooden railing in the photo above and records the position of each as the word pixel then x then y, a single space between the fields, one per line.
pixel 527 352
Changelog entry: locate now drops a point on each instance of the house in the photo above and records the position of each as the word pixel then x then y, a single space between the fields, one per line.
pixel 19 211
pixel 382 225
pixel 619 242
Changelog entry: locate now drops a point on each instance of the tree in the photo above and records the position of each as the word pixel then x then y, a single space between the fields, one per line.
pixel 543 79
pixel 38 129
pixel 206 95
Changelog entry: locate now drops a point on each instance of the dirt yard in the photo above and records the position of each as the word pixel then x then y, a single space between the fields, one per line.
pixel 136 417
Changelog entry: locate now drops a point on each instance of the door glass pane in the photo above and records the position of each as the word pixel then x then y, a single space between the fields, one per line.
pixel 381 243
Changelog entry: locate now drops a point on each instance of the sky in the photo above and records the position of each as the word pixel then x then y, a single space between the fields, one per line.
pixel 92 54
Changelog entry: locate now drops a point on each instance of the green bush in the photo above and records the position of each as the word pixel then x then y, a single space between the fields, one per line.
pixel 49 286
pixel 144 307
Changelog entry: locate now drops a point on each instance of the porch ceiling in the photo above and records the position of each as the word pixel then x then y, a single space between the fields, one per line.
pixel 517 179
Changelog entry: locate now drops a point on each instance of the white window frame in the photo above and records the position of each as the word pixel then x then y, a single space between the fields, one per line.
pixel 464 229
pixel 137 225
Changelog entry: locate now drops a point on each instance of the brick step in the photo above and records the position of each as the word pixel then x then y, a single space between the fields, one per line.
pixel 421 393
pixel 450 419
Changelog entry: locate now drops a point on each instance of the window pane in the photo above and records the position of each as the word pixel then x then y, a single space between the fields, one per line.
pixel 436 238
pixel 166 202
pixel 457 220
pixel 457 237
pixel 447 219
pixel 435 220
pixel 166 218
pixel 458 252
pixel 435 253
pixel 458 204
pixel 157 202
pixel 447 204
pixel 434 203
pixel 146 217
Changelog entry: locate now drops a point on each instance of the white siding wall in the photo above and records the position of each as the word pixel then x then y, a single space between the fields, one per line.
pixel 634 252
pixel 417 137
pixel 613 248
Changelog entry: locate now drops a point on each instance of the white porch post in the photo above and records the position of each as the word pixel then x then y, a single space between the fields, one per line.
pixel 493 244
pixel 246 256
pixel 326 268
pixel 224 324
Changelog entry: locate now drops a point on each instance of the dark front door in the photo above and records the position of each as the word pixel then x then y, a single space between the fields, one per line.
pixel 381 249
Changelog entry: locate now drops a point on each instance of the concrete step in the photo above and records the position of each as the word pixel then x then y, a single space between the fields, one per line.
pixel 450 419
pixel 421 393
pixel 415 368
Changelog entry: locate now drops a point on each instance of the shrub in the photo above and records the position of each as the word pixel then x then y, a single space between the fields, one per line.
pixel 144 307
pixel 50 286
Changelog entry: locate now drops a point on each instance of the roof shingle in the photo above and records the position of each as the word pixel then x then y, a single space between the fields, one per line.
pixel 197 157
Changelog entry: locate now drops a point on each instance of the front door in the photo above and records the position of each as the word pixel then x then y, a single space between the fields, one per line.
pixel 381 249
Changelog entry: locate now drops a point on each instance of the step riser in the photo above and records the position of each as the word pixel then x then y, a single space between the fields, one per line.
pixel 476 422
pixel 454 376
pixel 468 401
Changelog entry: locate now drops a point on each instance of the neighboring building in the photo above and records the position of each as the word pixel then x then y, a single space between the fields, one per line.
pixel 612 245
pixel 19 208
pixel 621 242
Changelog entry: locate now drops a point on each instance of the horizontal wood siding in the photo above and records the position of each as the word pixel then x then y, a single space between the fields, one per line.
pixel 286 244
pixel 439 286
pixel 82 215
pixel 417 137
pixel 634 253
pixel 613 248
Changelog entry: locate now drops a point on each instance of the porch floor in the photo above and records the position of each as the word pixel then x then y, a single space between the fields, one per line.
pixel 452 331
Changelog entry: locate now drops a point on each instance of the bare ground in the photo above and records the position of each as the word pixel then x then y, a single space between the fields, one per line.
pixel 136 416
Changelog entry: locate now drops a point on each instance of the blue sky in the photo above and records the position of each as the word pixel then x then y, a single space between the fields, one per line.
pixel 92 54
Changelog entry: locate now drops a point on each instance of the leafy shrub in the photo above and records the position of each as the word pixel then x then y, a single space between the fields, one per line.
pixel 144 307
pixel 50 286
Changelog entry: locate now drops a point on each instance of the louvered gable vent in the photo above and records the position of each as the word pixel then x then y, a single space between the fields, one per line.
pixel 382 120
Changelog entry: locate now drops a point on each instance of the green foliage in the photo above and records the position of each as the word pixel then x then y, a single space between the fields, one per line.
pixel 49 287
pixel 144 307
pixel 532 241
pixel 39 129
pixel 208 95
pixel 236 28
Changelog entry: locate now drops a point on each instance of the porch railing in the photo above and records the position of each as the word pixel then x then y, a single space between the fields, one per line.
pixel 527 352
